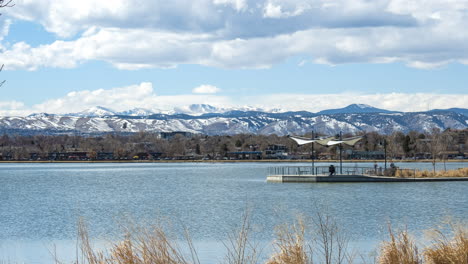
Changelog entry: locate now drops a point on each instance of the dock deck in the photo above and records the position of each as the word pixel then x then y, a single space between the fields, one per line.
pixel 344 175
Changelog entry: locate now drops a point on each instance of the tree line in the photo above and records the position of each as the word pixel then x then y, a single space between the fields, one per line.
pixel 413 145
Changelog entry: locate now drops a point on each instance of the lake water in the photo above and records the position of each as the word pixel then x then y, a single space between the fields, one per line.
pixel 40 204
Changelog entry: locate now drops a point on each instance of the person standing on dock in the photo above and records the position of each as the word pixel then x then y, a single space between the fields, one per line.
pixel 331 169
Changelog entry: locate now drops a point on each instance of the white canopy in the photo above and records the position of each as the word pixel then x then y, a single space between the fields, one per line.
pixel 303 141
pixel 348 141
pixel 328 141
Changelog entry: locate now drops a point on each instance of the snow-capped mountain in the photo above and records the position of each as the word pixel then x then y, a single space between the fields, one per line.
pixel 198 109
pixel 462 111
pixel 234 122
pixel 355 109
pixel 94 112
pixel 137 112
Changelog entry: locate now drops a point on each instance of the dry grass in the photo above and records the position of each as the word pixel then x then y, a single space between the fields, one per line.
pixel 445 250
pixel 240 249
pixel 290 245
pixel 327 244
pixel 401 249
pixel 140 246
pixel 462 172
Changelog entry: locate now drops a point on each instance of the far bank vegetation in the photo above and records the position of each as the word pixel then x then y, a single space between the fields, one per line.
pixel 435 146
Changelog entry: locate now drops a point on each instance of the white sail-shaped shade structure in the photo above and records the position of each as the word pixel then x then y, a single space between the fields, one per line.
pixel 347 141
pixel 303 141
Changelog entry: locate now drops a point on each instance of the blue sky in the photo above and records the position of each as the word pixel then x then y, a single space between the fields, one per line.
pixel 62 56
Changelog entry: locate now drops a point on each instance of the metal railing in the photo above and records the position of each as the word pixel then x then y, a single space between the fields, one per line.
pixel 323 170
pixel 346 170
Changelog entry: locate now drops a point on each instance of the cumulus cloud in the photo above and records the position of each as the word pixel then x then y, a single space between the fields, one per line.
pixel 144 96
pixel 239 5
pixel 122 98
pixel 406 102
pixel 206 89
pixel 242 33
pixel 12 108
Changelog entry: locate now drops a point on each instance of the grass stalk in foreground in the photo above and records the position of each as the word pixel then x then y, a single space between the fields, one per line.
pixel 401 249
pixel 290 245
pixel 327 244
pixel 448 250
pixel 240 249
pixel 140 246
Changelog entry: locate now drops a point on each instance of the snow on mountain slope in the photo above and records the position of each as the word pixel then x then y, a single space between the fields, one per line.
pixel 137 112
pixel 235 122
pixel 198 109
pixel 94 111
pixel 354 109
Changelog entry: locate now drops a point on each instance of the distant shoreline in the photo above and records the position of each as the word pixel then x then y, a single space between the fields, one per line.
pixel 232 161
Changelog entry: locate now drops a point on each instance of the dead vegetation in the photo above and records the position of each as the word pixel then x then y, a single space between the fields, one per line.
pixel 401 249
pixel 448 249
pixel 290 245
pixel 140 246
pixel 320 241
pixel 462 172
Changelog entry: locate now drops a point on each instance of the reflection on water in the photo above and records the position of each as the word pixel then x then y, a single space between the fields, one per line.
pixel 41 203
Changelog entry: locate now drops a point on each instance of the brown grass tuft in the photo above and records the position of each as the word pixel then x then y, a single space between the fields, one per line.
pixel 445 250
pixel 462 172
pixel 401 249
pixel 141 246
pixel 290 245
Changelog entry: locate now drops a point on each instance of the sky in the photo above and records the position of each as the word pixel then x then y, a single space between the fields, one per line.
pixel 64 56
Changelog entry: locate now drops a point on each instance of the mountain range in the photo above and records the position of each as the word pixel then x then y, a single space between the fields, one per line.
pixel 210 120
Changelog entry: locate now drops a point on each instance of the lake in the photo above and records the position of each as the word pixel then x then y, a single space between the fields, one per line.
pixel 41 203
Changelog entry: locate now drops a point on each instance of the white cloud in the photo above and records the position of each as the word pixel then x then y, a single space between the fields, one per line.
pixel 143 96
pixel 242 33
pixel 206 89
pixel 407 102
pixel 123 98
pixel 11 105
pixel 162 49
pixel 236 4
pixel 117 98
pixel 284 9
pixel 12 108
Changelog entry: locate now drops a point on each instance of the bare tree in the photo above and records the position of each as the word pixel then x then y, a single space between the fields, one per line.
pixel 436 146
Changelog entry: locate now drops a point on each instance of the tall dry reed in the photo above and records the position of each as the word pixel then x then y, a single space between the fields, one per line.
pixel 140 246
pixel 448 250
pixel 327 244
pixel 401 249
pixel 239 248
pixel 290 245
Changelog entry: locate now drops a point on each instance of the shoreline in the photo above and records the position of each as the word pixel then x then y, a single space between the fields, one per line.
pixel 231 161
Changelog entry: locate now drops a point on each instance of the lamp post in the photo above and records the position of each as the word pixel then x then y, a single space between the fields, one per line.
pixel 312 154
pixel 341 150
pixel 384 144
pixel 385 153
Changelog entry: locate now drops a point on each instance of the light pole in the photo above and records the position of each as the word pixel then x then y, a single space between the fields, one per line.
pixel 341 158
pixel 312 154
pixel 385 153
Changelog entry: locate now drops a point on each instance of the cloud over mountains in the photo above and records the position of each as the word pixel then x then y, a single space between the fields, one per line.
pixel 144 96
pixel 241 33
